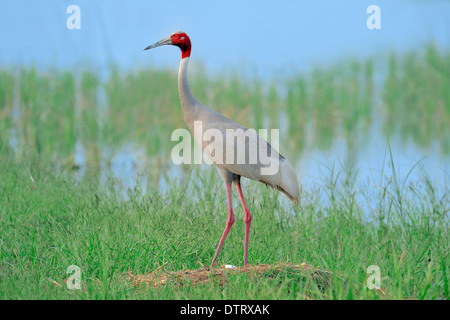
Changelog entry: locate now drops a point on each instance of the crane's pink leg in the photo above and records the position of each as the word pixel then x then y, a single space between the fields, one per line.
pixel 230 222
pixel 247 220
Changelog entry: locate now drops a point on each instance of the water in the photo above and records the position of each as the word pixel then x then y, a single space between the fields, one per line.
pixel 369 165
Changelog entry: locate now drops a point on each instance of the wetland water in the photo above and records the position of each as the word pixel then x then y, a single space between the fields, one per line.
pixel 362 120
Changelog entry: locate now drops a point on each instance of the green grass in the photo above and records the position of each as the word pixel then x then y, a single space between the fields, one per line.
pixel 417 99
pixel 57 221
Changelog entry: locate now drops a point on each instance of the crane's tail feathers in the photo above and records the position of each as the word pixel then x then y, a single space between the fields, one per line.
pixel 295 201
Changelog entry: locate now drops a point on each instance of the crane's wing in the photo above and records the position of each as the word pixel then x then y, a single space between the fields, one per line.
pixel 243 152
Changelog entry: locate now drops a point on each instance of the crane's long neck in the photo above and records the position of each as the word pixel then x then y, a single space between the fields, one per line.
pixel 191 107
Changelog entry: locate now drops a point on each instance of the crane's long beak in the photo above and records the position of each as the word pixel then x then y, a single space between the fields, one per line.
pixel 162 42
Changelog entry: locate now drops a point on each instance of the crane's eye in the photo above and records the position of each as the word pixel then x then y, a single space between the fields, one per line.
pixel 182 38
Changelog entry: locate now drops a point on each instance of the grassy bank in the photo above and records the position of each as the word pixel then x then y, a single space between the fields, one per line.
pixel 55 220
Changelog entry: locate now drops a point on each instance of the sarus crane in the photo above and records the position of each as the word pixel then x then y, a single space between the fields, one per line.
pixel 244 141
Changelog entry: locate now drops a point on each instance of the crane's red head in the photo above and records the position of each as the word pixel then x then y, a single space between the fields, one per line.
pixel 179 39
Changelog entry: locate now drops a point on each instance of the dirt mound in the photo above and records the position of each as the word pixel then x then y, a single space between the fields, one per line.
pixel 160 277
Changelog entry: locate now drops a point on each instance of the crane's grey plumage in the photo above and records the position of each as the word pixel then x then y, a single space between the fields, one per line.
pixel 285 179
